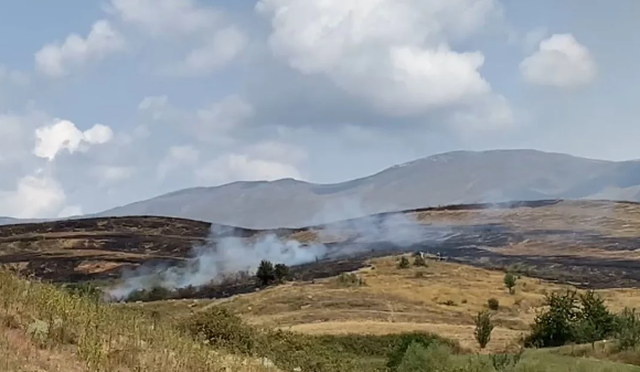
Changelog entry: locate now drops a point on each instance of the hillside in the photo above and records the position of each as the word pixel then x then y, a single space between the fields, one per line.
pixel 450 178
pixel 588 243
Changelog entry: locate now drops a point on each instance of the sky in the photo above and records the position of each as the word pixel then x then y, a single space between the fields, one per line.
pixel 103 103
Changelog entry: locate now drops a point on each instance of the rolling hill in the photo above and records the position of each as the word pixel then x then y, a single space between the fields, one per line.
pixel 449 178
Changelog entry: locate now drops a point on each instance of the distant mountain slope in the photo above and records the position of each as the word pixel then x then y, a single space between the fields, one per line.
pixel 454 177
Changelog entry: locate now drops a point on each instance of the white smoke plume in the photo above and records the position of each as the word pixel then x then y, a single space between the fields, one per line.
pixel 227 254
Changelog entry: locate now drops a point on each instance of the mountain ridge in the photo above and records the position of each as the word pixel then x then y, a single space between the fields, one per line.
pixel 455 177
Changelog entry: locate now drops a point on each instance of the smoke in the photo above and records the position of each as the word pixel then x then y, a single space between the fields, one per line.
pixel 225 253
pixel 220 255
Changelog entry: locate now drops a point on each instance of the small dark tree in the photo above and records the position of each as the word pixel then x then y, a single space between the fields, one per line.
pixel 281 272
pixel 404 263
pixel 419 261
pixel 266 273
pixel 484 327
pixel 493 304
pixel 628 329
pixel 510 282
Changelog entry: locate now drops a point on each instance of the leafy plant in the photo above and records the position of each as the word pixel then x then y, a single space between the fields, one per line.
pixel 493 304
pixel 510 282
pixel 484 327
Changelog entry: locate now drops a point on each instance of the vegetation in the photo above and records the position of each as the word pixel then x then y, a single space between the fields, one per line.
pixel 266 273
pixel 350 280
pixel 403 263
pixel 510 282
pixel 484 327
pixel 583 318
pixel 419 261
pixel 493 304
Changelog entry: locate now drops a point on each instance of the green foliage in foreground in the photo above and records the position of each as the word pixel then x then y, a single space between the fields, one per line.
pixel 288 350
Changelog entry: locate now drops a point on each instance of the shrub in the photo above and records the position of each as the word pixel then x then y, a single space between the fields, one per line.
pixel 510 282
pixel 484 327
pixel 419 358
pixel 628 329
pixel 281 272
pixel 419 261
pixel 221 328
pixel 506 361
pixel 493 304
pixel 350 280
pixel 595 322
pixel 266 273
pixel 404 263
pixel 555 327
pixel 397 354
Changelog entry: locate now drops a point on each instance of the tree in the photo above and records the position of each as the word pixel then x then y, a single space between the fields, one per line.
pixel 493 303
pixel 404 263
pixel 266 273
pixel 594 321
pixel 510 282
pixel 556 326
pixel 484 327
pixel 419 261
pixel 281 272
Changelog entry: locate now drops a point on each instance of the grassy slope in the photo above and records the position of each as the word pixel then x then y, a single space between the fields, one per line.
pixel 46 329
pixel 395 300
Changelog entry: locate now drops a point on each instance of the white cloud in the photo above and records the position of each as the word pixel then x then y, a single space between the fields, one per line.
pixel 63 134
pixel 177 158
pixel 560 61
pixel 57 60
pixel 393 53
pixel 223 47
pixel 166 17
pixel 241 167
pixel 34 197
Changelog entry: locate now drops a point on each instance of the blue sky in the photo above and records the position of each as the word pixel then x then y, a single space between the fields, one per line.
pixel 107 102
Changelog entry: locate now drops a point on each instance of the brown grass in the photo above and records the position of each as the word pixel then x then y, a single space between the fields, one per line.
pixel 47 329
pixel 443 298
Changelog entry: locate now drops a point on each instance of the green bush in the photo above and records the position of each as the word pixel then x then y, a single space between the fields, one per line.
pixel 484 327
pixel 572 318
pixel 266 273
pixel 510 282
pixel 404 263
pixel 418 358
pixel 493 304
pixel 628 329
pixel 281 272
pixel 395 357
pixel 419 261
pixel 350 280
pixel 289 350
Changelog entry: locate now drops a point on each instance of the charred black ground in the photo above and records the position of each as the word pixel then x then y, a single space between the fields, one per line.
pixel 101 248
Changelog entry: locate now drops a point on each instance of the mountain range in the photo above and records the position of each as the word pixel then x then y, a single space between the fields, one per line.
pixel 449 178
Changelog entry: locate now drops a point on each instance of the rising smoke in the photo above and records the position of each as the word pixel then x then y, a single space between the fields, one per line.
pixel 224 253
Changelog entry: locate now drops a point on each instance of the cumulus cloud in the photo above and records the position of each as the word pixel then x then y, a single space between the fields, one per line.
pixel 405 68
pixel 35 196
pixel 58 59
pixel 241 167
pixel 222 48
pixel 560 61
pixel 63 134
pixel 166 17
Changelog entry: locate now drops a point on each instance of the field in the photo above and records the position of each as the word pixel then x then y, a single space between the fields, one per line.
pixel 551 245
